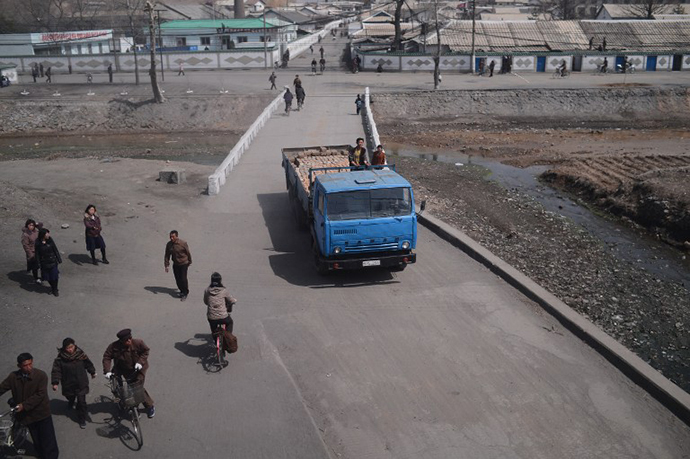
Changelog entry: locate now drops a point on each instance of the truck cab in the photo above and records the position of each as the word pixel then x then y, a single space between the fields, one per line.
pixel 363 218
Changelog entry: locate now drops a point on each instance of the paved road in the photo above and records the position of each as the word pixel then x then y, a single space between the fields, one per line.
pixel 442 360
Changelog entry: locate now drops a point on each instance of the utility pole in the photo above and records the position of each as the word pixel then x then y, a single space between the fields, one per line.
pixel 265 44
pixel 437 58
pixel 157 95
pixel 472 59
pixel 160 44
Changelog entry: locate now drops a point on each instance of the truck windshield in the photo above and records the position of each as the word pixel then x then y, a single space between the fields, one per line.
pixel 385 202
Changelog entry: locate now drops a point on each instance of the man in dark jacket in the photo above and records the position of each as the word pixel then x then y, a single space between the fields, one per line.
pixel 178 250
pixel 29 388
pixel 70 368
pixel 129 359
pixel 357 156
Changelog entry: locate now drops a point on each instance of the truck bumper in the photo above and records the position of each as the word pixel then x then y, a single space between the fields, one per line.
pixel 385 261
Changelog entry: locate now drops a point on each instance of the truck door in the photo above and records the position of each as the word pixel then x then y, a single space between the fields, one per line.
pixel 320 229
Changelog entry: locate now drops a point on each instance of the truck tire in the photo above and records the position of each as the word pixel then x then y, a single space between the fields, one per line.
pixel 320 270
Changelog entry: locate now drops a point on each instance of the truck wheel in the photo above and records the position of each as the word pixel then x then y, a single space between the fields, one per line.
pixel 320 270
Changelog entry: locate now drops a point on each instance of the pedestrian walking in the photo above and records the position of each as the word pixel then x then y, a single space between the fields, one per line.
pixel 311 48
pixel 94 240
pixel 48 258
pixel 322 64
pixel 40 67
pixel 300 94
pixel 321 50
pixel 287 97
pixel 358 103
pixel 181 71
pixel 34 72
pixel 128 358
pixel 49 73
pixel 273 79
pixel 110 73
pixel 29 387
pixel 178 250
pixel 219 304
pixel 29 237
pixel 313 66
pixel 379 156
pixel 297 82
pixel 70 369
pixel 591 42
pixel 491 68
pixel 603 44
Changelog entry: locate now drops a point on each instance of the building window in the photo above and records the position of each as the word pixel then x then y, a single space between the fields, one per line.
pixel 241 39
pixel 205 41
pixel 181 41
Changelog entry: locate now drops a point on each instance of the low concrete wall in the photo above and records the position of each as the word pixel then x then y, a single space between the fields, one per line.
pixel 217 179
pixel 370 131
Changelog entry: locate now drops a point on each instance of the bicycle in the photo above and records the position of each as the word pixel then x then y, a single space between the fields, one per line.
pixel 220 360
pixel 128 397
pixel 12 433
pixel 559 74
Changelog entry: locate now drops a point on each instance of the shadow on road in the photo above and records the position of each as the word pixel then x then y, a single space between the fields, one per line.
pixel 114 426
pixel 59 407
pixel 27 282
pixel 291 257
pixel 167 290
pixel 202 349
pixel 80 259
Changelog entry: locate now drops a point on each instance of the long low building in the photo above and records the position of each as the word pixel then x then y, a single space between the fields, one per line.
pixel 540 46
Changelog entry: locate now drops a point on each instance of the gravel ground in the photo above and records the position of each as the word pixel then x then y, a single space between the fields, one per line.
pixel 649 315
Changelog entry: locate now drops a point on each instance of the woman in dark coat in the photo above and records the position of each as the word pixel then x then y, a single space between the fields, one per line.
pixel 48 257
pixel 69 369
pixel 94 240
pixel 29 236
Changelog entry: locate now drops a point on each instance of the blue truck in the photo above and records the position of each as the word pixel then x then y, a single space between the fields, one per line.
pixel 357 218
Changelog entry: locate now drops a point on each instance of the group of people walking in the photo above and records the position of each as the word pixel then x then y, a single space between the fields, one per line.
pixel 42 252
pixel 126 358
pixel 300 94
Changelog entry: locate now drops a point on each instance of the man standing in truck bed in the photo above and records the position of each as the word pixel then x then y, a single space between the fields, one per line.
pixel 357 156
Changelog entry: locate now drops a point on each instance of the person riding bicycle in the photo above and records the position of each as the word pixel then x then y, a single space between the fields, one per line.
pixel 313 66
pixel 219 303
pixel 605 66
pixel 563 68
pixel 288 99
pixel 128 359
pixel 300 94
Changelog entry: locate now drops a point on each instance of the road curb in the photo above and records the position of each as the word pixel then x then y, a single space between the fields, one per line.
pixel 638 371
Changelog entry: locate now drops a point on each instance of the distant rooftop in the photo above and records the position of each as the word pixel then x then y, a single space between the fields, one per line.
pixel 249 23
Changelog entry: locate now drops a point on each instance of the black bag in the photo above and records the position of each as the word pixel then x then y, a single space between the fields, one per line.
pixel 229 342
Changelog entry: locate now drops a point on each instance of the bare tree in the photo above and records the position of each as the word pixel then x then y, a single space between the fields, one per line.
pixel 135 26
pixel 558 9
pixel 646 9
pixel 52 15
pixel 397 39
pixel 157 94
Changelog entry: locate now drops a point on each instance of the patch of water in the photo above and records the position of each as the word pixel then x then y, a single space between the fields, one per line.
pixel 657 258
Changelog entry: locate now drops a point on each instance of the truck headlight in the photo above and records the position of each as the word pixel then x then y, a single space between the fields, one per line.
pixel 337 250
pixel 405 245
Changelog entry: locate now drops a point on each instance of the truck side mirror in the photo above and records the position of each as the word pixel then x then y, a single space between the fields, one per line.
pixel 422 206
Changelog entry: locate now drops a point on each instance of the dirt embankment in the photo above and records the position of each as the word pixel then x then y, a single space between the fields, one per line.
pixel 120 115
pixel 640 173
pixel 540 107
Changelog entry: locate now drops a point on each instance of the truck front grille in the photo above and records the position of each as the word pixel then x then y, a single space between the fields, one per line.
pixel 370 247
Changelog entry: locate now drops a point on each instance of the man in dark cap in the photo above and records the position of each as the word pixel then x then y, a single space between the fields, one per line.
pixel 29 388
pixel 129 359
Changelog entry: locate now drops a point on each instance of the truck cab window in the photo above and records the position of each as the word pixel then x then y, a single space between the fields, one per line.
pixel 320 202
pixel 380 203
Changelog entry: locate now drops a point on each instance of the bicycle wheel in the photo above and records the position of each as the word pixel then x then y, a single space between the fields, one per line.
pixel 19 435
pixel 136 426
